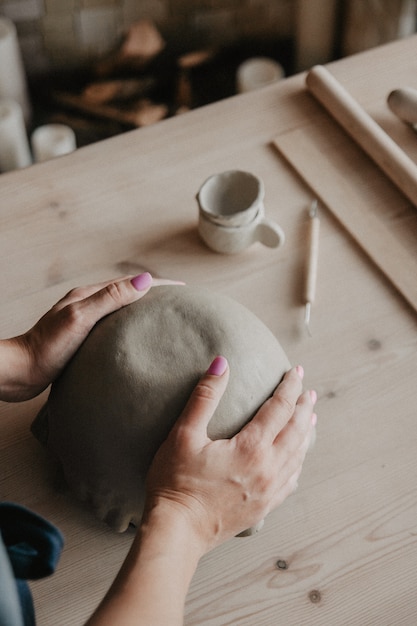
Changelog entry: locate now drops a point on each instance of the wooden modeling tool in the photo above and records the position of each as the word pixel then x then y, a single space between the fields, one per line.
pixel 363 129
pixel 312 262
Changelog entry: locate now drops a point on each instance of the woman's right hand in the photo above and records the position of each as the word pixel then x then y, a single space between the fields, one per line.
pixel 201 492
pixel 223 487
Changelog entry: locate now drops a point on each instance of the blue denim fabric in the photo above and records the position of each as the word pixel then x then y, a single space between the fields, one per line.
pixel 33 547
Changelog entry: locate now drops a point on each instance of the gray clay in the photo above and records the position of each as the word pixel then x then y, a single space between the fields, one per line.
pixel 117 399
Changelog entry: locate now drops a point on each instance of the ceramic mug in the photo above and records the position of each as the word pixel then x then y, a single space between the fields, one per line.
pixel 232 213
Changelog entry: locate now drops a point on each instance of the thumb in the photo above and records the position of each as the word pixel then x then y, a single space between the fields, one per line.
pixel 205 398
pixel 113 296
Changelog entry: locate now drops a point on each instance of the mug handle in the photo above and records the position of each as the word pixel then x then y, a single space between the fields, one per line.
pixel 269 234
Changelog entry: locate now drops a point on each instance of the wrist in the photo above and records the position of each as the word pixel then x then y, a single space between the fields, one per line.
pixel 14 364
pixel 173 522
pixel 153 582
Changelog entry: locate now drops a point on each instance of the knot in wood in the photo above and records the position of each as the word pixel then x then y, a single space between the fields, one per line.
pixel 315 596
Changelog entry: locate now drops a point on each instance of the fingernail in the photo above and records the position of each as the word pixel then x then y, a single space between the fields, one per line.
pixel 300 371
pixel 313 396
pixel 218 366
pixel 142 281
pixel 314 419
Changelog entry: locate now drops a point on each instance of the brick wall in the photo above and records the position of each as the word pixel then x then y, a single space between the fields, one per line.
pixel 66 33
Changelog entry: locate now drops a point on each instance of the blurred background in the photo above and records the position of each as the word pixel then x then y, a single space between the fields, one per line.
pixel 105 66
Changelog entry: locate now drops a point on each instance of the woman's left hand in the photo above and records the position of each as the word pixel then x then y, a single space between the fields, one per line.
pixel 30 362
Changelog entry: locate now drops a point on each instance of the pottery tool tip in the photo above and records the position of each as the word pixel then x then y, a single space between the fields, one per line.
pixel 307 315
pixel 312 259
pixel 313 208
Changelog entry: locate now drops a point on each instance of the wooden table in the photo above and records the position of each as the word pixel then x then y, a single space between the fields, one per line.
pixel 346 541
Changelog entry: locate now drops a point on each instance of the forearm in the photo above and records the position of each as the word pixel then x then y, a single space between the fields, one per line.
pixel 152 585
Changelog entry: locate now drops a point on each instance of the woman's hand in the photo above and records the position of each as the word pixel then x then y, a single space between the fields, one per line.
pixel 223 487
pixel 202 492
pixel 30 362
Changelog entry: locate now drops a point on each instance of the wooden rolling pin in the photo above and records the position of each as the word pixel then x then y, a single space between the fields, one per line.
pixel 364 130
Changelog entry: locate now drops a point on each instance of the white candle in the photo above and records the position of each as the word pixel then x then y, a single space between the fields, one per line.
pixel 256 73
pixel 52 140
pixel 14 144
pixel 13 84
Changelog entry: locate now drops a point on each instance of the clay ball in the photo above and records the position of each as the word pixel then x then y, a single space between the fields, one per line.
pixel 117 399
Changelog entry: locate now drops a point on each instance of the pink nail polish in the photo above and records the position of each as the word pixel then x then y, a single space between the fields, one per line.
pixel 300 371
pixel 313 396
pixel 218 366
pixel 142 281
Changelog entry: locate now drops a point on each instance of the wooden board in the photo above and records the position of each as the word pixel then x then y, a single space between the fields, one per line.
pixel 368 205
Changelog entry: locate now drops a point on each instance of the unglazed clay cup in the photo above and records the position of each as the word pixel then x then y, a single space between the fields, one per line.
pixel 232 213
